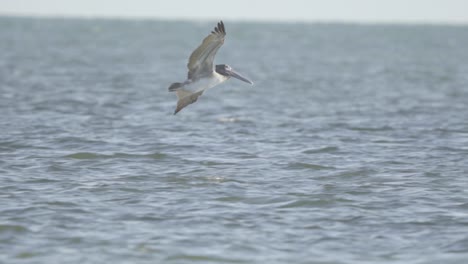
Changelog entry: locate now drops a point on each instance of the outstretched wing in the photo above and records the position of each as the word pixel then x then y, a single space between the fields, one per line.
pixel 201 61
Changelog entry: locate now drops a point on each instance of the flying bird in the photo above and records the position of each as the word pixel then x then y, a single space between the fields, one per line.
pixel 202 74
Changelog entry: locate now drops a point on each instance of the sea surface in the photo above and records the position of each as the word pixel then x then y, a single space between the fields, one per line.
pixel 351 147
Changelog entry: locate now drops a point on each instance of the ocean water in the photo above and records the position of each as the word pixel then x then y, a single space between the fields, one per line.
pixel 351 147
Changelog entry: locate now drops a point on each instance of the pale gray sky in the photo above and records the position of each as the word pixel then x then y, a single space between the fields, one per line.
pixel 420 11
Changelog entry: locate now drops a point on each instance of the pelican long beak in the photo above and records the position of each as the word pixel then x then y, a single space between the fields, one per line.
pixel 236 75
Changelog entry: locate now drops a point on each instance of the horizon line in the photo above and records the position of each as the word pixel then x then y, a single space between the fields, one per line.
pixel 416 22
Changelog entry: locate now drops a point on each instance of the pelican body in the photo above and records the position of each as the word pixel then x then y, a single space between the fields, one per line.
pixel 202 73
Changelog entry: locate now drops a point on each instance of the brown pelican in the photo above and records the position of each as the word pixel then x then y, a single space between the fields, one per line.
pixel 202 74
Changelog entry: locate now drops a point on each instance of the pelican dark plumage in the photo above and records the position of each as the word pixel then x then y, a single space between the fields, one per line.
pixel 202 73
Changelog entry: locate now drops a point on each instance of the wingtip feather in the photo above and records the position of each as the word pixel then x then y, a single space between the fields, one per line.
pixel 219 29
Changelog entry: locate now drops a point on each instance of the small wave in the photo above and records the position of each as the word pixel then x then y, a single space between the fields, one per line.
pixel 452 149
pixel 85 155
pixel 321 150
pixel 203 258
pixel 460 246
pixel 356 173
pixel 13 228
pixel 215 163
pixel 27 255
pixel 228 119
pixel 306 203
pixel 303 165
pixel 41 180
pixel 13 145
pixel 91 155
pixel 361 128
pixel 61 204
pixel 392 141
pixel 233 120
pixel 78 140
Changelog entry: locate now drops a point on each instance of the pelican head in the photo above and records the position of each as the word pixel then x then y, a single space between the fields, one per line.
pixel 229 72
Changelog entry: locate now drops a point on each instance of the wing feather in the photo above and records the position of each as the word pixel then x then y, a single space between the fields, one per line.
pixel 201 61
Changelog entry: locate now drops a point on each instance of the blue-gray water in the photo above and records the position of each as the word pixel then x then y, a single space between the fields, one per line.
pixel 351 147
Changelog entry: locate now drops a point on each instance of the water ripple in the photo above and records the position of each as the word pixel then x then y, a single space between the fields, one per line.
pixel 303 165
pixel 91 155
pixel 353 153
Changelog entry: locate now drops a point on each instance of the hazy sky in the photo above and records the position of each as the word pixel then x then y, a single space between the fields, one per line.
pixel 421 11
